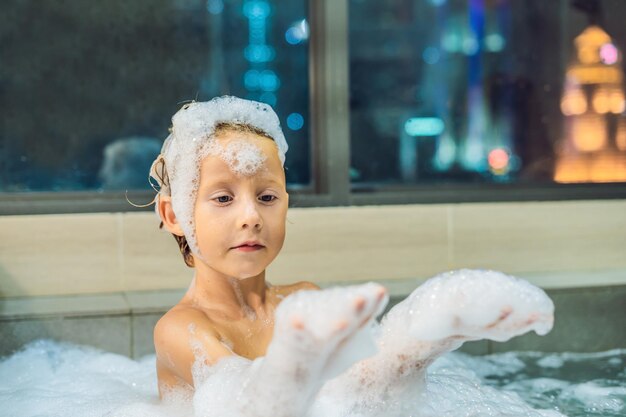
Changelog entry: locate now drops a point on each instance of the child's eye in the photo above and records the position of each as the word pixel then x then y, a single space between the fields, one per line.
pixel 267 198
pixel 223 199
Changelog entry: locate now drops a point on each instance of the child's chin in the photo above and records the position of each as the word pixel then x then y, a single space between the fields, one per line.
pixel 247 274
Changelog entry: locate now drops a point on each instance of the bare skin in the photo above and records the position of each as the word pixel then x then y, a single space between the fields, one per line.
pixel 240 228
pixel 221 330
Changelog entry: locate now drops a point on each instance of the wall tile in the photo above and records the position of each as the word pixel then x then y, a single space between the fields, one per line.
pixel 363 243
pixel 533 237
pixel 109 333
pixel 151 259
pixel 66 306
pixel 59 254
pixel 143 330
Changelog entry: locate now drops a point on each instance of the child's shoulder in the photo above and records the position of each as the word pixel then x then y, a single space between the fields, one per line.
pixel 181 337
pixel 182 321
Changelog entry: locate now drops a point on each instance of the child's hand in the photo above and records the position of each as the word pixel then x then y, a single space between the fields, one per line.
pixel 470 305
pixel 322 325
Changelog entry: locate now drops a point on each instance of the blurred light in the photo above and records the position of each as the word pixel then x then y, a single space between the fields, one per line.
pixel 446 152
pixel 437 3
pixel 574 103
pixel 609 54
pixel 473 157
pixel 259 53
pixel 588 44
pixel 268 81
pixel 251 80
pixel 604 167
pixel 589 132
pixel 269 98
pixel 431 55
pixel 215 6
pixel 424 126
pixel 605 101
pixel 470 45
pixel 298 32
pixel 291 36
pixel 295 121
pixel 256 9
pixel 498 160
pixel 451 42
pixel 617 104
pixel 257 29
pixel 587 55
pixel 515 162
pixel 600 101
pixel 595 75
pixel 494 42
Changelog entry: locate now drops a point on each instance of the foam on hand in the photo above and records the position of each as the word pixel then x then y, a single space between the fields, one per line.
pixel 476 304
pixel 191 139
pixel 436 318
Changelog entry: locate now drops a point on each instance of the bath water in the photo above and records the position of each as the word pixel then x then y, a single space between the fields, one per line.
pixel 49 379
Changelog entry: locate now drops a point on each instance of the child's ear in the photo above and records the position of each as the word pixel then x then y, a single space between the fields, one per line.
pixel 166 212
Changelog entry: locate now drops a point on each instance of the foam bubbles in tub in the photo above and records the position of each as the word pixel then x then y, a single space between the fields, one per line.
pixel 312 346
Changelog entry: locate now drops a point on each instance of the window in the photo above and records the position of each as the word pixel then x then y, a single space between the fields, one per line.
pixel 458 91
pixel 89 87
pixel 381 102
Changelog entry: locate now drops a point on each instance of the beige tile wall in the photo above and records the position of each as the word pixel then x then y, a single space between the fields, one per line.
pixel 60 254
pixel 363 243
pixel 100 253
pixel 552 236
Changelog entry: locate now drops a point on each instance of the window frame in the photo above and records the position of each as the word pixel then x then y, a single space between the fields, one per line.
pixel 329 85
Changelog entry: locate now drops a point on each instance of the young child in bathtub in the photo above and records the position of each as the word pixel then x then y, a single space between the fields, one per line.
pixel 222 195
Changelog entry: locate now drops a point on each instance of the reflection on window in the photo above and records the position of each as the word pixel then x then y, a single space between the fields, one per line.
pixel 488 91
pixel 89 87
pixel 593 148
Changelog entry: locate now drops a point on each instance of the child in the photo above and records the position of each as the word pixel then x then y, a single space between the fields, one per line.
pixel 223 197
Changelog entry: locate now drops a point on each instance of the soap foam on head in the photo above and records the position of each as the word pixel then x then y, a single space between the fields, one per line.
pixel 242 156
pixel 192 139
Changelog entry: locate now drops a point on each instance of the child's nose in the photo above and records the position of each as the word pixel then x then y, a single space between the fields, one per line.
pixel 250 217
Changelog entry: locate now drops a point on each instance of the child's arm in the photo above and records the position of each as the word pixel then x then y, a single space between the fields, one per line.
pixel 317 335
pixel 181 338
pixel 438 317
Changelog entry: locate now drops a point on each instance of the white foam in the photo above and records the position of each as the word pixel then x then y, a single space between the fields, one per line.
pixel 192 139
pixel 318 335
pixel 437 317
pixel 35 383
pixel 241 156
pixel 551 361
pixel 472 302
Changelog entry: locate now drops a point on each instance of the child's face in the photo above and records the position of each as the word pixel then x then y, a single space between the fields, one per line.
pixel 240 219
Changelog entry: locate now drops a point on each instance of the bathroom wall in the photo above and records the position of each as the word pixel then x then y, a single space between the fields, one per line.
pixel 104 279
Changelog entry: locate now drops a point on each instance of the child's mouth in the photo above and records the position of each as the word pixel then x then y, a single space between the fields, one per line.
pixel 249 247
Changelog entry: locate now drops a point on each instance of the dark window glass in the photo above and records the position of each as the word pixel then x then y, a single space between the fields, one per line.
pixel 487 91
pixel 88 87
